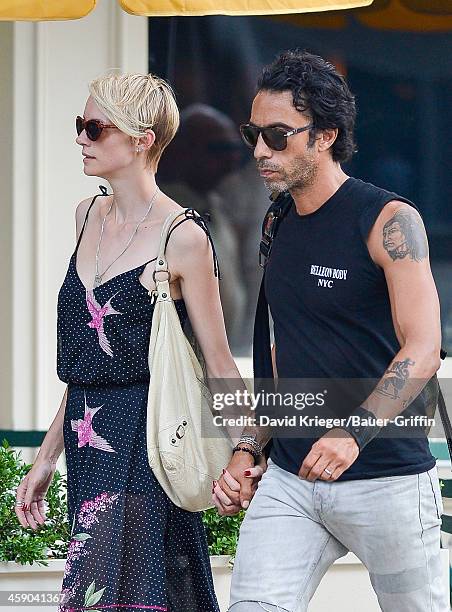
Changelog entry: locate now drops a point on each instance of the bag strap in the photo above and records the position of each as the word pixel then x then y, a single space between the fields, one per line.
pixel 445 420
pixel 162 287
pixel 162 290
pixel 262 358
pixel 262 361
pixel 275 214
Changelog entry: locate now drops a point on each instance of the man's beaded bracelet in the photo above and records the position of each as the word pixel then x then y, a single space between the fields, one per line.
pixel 247 450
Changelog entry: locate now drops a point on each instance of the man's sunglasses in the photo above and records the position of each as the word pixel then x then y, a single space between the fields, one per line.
pixel 274 137
pixel 92 127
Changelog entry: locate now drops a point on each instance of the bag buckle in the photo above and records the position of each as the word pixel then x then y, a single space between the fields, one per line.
pixel 155 292
pixel 180 433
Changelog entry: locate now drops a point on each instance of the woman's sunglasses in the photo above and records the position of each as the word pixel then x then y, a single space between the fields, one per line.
pixel 92 127
pixel 274 137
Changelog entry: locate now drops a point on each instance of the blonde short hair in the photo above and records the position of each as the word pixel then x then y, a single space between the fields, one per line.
pixel 136 103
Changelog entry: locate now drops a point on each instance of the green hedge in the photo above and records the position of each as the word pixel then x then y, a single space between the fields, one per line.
pixel 51 540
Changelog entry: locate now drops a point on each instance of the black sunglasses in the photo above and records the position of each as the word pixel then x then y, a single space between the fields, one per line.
pixel 92 127
pixel 274 137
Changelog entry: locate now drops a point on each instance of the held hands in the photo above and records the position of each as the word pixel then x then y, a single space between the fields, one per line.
pixel 329 457
pixel 32 491
pixel 235 488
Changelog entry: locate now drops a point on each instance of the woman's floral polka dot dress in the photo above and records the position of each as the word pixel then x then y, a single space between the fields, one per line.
pixel 131 547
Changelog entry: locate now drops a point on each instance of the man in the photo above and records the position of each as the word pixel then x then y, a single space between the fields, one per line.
pixel 352 297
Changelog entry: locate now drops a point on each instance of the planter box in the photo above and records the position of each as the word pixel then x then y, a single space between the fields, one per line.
pixel 15 577
pixel 347 580
pixel 26 578
pixel 222 572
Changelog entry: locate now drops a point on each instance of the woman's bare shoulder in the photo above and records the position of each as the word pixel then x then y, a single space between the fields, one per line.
pixel 189 249
pixel 83 207
pixel 80 213
pixel 184 233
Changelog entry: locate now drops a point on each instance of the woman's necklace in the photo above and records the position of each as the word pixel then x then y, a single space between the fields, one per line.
pixel 98 276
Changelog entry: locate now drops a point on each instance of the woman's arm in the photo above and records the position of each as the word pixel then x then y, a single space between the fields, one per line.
pixel 35 484
pixel 33 487
pixel 190 261
pixel 53 443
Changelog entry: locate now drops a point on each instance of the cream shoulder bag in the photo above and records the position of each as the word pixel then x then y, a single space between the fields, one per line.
pixel 186 450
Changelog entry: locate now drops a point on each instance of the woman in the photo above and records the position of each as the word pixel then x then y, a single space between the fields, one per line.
pixel 130 547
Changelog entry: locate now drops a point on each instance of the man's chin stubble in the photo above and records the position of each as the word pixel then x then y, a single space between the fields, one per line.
pixel 273 186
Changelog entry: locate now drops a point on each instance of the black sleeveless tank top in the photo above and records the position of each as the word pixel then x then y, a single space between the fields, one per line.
pixel 332 320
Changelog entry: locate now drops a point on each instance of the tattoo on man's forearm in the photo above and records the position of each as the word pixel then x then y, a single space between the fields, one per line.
pixel 395 379
pixel 404 235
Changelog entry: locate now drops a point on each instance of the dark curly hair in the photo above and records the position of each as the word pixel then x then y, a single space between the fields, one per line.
pixel 319 90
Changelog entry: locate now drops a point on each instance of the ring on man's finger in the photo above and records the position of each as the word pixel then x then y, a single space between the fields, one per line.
pixel 329 472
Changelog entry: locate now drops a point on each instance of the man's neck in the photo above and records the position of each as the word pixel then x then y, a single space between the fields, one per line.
pixel 326 183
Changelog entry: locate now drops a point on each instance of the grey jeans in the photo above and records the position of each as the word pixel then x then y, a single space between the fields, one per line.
pixel 295 529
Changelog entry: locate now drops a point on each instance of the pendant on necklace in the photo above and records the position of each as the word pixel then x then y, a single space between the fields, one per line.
pixel 97 280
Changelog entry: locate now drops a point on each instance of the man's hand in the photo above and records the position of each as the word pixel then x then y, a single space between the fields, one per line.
pixel 236 486
pixel 334 454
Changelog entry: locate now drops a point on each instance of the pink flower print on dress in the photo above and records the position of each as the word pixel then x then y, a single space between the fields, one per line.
pixel 67 593
pixel 98 313
pixel 86 433
pixel 90 507
pixel 75 552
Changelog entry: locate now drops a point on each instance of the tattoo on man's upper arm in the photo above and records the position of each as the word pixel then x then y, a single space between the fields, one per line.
pixel 404 235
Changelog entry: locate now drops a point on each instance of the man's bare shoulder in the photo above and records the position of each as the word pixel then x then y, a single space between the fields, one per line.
pixel 398 234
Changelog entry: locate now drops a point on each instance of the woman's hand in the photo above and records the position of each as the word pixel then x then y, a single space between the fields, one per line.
pixel 237 485
pixel 32 490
